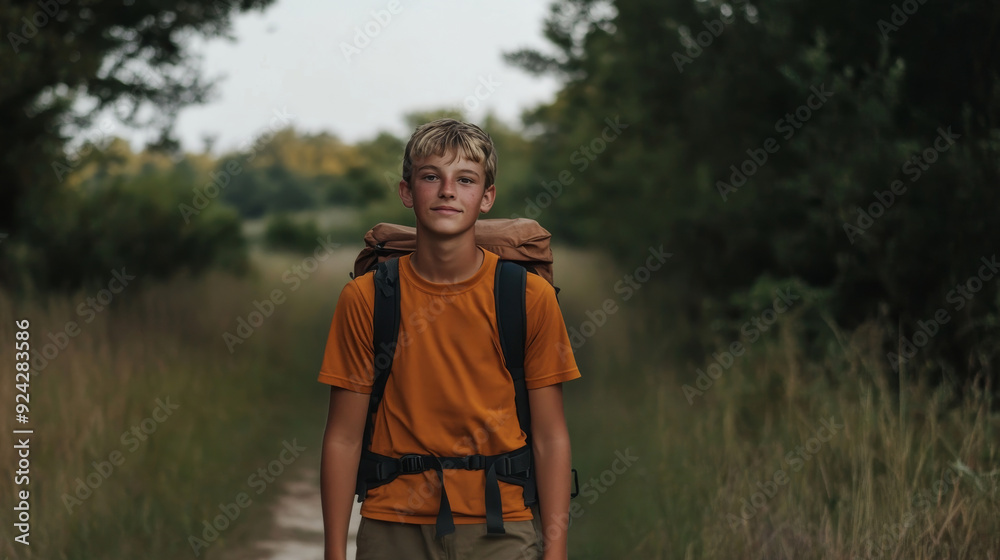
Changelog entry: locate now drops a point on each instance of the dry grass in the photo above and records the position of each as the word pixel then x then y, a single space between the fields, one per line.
pixel 917 481
pixel 160 341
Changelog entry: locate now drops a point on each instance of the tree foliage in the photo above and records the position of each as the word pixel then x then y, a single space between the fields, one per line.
pixel 74 75
pixel 704 85
pixel 128 221
pixel 295 171
pixel 66 63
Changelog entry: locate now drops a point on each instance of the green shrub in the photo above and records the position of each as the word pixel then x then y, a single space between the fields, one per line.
pixel 285 233
pixel 77 238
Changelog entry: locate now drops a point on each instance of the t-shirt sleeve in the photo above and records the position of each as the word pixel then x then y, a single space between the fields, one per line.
pixel 548 355
pixel 348 358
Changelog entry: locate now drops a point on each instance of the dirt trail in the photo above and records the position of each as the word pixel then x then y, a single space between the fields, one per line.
pixel 296 531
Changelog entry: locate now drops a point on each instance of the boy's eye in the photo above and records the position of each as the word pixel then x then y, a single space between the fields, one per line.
pixel 465 180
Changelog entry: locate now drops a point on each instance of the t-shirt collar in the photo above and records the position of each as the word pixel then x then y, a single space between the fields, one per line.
pixel 410 276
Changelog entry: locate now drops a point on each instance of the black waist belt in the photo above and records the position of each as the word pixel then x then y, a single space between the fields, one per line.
pixel 513 467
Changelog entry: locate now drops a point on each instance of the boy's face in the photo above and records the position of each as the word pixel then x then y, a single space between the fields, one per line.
pixel 438 183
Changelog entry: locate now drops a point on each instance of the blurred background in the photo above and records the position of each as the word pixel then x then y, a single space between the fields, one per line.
pixel 771 224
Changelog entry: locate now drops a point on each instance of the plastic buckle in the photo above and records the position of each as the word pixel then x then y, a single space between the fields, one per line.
pixel 474 462
pixel 576 486
pixel 411 464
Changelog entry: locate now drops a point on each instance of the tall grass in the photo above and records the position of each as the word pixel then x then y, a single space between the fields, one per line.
pixel 164 341
pixel 913 473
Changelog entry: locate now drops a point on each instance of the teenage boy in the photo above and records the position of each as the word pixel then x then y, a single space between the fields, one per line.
pixel 449 393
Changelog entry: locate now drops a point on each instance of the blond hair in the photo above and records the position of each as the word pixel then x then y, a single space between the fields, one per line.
pixel 451 136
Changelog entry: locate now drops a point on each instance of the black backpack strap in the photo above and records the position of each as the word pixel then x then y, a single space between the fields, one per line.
pixel 509 296
pixel 385 330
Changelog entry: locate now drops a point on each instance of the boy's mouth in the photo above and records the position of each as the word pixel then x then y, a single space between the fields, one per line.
pixel 446 210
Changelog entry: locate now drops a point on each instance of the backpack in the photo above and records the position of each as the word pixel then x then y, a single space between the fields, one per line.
pixel 523 246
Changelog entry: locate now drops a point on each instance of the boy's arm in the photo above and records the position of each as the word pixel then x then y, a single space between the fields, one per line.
pixel 551 447
pixel 342 440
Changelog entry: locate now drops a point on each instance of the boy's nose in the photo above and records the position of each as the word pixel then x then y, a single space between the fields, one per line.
pixel 447 189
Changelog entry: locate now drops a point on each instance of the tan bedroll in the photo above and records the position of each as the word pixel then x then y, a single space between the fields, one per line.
pixel 521 240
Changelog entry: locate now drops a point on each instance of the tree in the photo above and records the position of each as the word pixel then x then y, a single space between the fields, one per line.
pixel 699 87
pixel 65 62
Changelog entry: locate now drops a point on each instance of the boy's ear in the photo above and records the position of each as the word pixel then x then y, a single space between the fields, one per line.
pixel 405 193
pixel 489 197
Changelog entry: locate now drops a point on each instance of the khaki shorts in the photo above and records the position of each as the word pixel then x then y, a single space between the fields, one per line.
pixel 387 540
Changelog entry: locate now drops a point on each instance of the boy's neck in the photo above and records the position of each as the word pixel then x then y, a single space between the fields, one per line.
pixel 446 260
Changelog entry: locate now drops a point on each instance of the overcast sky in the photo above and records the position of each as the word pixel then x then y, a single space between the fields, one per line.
pixel 291 60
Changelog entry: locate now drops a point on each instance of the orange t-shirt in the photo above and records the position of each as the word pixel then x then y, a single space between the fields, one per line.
pixel 449 393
